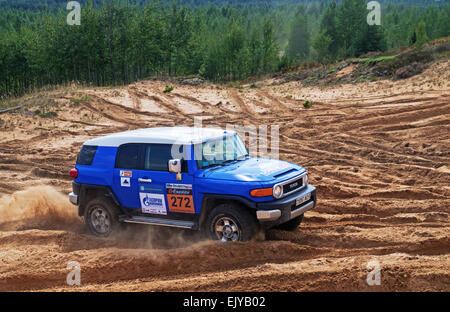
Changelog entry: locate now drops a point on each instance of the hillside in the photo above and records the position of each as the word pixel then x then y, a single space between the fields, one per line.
pixel 119 42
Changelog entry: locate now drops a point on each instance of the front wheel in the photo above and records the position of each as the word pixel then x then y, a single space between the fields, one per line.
pixel 291 225
pixel 230 223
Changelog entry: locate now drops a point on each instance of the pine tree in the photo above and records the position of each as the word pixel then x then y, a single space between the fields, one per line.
pixel 298 47
pixel 421 34
pixel 328 28
pixel 269 47
pixel 321 44
pixel 352 25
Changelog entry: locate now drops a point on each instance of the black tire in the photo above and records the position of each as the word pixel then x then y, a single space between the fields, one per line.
pixel 245 223
pixel 291 225
pixel 105 210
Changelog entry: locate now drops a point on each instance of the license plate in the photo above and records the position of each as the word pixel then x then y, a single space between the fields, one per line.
pixel 302 199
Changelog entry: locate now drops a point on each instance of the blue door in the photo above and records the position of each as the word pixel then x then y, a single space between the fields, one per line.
pixel 125 179
pixel 160 193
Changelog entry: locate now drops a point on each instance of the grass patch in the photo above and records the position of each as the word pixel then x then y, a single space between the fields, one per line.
pixel 234 84
pixel 168 89
pixel 45 114
pixel 377 59
pixel 82 99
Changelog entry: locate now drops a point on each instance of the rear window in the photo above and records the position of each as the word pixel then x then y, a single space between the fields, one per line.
pixel 128 156
pixel 86 155
pixel 154 157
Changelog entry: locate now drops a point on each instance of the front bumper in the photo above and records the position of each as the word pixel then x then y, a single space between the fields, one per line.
pixel 73 198
pixel 282 210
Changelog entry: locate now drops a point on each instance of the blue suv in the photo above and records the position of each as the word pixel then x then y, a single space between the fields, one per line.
pixel 191 178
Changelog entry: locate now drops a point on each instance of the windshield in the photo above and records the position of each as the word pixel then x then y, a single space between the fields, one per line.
pixel 220 151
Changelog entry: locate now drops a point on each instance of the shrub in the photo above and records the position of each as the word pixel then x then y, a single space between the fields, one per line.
pixel 307 104
pixel 405 59
pixel 443 47
pixel 168 89
pixel 409 70
pixel 82 99
pixel 48 115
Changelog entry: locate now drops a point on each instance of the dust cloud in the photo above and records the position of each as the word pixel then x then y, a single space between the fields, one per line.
pixel 39 206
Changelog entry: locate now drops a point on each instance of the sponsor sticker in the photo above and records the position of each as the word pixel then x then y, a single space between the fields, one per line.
pixel 125 182
pixel 153 203
pixel 179 198
pixel 124 173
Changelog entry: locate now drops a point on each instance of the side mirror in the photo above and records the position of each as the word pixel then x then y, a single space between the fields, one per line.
pixel 175 167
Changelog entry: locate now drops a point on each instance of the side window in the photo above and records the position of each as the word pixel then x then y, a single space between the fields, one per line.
pixel 128 156
pixel 86 155
pixel 157 156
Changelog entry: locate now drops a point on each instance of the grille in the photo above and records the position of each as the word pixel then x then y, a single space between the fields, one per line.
pixel 293 185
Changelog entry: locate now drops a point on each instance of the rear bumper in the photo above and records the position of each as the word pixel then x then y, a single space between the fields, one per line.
pixel 279 211
pixel 73 198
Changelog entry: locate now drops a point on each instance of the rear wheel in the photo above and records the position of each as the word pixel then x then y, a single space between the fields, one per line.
pixel 291 225
pixel 101 217
pixel 230 223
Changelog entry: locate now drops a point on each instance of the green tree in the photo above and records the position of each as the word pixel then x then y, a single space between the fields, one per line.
pixel 321 44
pixel 328 27
pixel 255 51
pixel 421 34
pixel 298 47
pixel 237 56
pixel 352 26
pixel 269 53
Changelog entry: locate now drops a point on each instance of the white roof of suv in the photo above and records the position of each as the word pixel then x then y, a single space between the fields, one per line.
pixel 165 135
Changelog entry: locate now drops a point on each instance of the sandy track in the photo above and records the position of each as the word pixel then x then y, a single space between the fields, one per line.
pixel 378 153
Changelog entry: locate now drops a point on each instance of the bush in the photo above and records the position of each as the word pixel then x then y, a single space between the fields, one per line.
pixel 48 115
pixel 168 89
pixel 443 47
pixel 82 99
pixel 409 70
pixel 307 104
pixel 404 59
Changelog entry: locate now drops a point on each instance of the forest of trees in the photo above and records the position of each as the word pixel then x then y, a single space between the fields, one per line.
pixel 121 41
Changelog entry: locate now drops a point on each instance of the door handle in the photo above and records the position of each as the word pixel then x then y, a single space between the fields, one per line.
pixel 145 180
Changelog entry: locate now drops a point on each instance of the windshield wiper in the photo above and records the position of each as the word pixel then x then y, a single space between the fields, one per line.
pixel 243 157
pixel 240 158
pixel 229 161
pixel 212 165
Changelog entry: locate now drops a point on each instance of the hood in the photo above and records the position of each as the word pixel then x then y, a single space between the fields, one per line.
pixel 254 169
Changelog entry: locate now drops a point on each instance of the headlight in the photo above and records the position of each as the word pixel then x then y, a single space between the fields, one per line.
pixel 277 191
pixel 305 179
